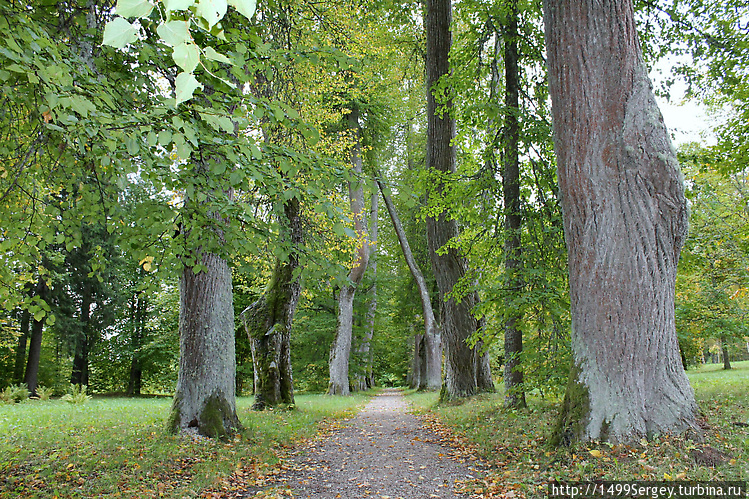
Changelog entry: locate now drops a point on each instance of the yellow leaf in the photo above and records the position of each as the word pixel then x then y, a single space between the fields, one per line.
pixel 595 453
pixel 667 476
pixel 681 476
pixel 732 462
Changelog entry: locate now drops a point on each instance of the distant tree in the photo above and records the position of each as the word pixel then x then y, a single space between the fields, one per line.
pixel 625 218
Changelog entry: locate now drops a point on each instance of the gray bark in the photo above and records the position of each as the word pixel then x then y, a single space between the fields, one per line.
pixel 625 220
pixel 432 347
pixel 340 350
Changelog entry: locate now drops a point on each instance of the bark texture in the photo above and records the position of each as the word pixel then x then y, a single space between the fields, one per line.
pixel 79 375
pixel 340 350
pixel 204 398
pixel 23 341
pixel 268 323
pixel 458 324
pixel 625 220
pixel 513 375
pixel 427 367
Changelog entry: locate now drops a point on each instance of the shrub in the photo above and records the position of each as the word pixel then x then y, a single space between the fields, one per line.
pixel 44 393
pixel 77 395
pixel 15 393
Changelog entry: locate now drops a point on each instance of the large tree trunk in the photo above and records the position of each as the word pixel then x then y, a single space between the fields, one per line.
pixel 458 324
pixel 513 375
pixel 31 377
pixel 431 349
pixel 340 350
pixel 205 398
pixel 268 322
pixel 23 341
pixel 79 375
pixel 625 220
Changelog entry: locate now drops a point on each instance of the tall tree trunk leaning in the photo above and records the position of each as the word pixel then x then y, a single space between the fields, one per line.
pixel 458 324
pixel 431 342
pixel 340 350
pixel 23 341
pixel 365 380
pixel 268 321
pixel 31 376
pixel 625 220
pixel 204 399
pixel 513 375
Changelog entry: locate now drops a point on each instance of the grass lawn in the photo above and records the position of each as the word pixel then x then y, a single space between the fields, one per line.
pixel 117 447
pixel 514 442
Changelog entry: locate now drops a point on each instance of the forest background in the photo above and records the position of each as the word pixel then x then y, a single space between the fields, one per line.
pixel 101 127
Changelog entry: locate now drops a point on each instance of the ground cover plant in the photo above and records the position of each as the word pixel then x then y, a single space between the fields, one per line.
pixel 115 447
pixel 514 443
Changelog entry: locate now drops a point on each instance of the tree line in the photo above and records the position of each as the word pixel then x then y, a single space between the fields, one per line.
pixel 193 188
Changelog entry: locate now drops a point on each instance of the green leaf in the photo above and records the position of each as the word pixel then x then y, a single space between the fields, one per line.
pixel 172 5
pixel 211 54
pixel 244 7
pixel 174 32
pixel 212 11
pixel 134 8
pixel 187 56
pixel 118 33
pixel 186 85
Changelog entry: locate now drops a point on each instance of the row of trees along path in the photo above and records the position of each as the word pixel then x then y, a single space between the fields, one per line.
pixel 384 451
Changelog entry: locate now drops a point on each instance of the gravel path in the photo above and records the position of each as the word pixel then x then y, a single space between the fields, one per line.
pixel 384 452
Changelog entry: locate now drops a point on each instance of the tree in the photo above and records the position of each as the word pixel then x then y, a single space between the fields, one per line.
pixel 625 219
pixel 464 370
pixel 340 350
pixel 430 373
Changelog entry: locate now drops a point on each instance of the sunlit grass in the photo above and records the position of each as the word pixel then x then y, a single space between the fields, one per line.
pixel 116 447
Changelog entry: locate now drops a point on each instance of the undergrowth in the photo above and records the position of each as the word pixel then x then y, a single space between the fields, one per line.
pixel 514 443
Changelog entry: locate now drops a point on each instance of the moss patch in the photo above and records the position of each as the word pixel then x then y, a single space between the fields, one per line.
pixel 217 419
pixel 575 411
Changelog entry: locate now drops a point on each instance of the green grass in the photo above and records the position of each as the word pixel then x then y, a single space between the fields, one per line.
pixel 116 447
pixel 514 442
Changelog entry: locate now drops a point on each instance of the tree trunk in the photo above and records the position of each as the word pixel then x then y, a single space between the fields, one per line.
pixel 365 380
pixel 268 322
pixel 625 219
pixel 513 375
pixel 79 375
pixel 432 337
pixel 31 377
pixel 724 347
pixel 23 340
pixel 484 378
pixel 136 343
pixel 340 350
pixel 418 364
pixel 458 324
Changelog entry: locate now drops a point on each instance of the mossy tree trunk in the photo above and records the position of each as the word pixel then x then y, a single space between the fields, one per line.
pixel 340 350
pixel 268 322
pixel 724 349
pixel 23 340
pixel 205 396
pixel 625 220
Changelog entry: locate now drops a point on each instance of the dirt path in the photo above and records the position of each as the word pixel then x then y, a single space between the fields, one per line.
pixel 383 452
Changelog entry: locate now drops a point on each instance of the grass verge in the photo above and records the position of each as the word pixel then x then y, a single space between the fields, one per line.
pixel 521 464
pixel 118 448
